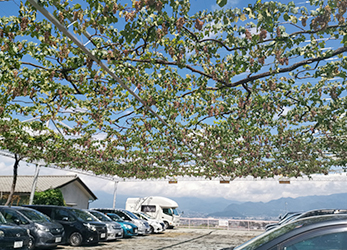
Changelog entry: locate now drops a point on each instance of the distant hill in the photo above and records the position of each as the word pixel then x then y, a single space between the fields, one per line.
pixel 274 208
pixel 190 206
pixel 223 208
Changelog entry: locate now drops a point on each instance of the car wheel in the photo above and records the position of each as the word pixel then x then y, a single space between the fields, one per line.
pixel 151 230
pixel 75 239
pixel 166 224
pixel 31 244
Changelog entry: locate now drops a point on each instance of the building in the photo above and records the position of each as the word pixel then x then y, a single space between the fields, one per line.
pixel 75 192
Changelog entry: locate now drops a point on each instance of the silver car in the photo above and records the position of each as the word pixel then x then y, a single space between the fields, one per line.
pixel 114 229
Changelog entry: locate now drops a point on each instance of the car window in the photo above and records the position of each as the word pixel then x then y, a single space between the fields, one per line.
pixel 100 216
pixel 115 217
pixel 82 215
pixel 121 214
pixel 63 215
pixel 13 217
pixel 148 208
pixel 167 211
pixel 34 215
pixel 331 241
pixel 131 215
pixel 2 219
pixel 174 210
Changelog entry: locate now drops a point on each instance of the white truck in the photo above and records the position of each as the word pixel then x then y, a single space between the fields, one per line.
pixel 159 208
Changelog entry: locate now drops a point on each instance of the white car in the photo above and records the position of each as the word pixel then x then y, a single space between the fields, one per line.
pixel 156 226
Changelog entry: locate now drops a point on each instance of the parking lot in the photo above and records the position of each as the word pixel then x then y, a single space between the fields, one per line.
pixel 180 238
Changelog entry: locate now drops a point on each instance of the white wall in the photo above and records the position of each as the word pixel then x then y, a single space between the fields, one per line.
pixel 75 195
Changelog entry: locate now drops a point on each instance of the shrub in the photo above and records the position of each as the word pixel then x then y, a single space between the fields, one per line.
pixel 49 197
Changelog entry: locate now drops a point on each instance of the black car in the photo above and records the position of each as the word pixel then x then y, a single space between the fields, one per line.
pixel 13 237
pixel 324 232
pixel 80 227
pixel 45 233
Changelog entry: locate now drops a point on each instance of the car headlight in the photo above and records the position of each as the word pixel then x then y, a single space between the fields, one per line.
pixel 28 231
pixel 41 228
pixel 90 227
pixel 128 226
pixel 2 234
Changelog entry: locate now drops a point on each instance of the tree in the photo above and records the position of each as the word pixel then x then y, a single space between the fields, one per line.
pixel 257 91
pixel 14 182
pixel 49 197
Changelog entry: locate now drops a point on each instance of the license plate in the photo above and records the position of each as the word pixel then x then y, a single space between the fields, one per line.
pixel 58 239
pixel 103 235
pixel 18 244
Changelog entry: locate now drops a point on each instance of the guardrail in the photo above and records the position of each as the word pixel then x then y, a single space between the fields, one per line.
pixel 228 224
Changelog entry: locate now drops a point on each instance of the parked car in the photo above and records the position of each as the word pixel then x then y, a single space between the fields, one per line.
pixel 155 226
pixel 80 227
pixel 129 229
pixel 114 229
pixel 298 215
pixel 143 226
pixel 13 237
pixel 45 233
pixel 323 232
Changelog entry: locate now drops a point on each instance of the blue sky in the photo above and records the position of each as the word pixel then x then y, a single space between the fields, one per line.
pixel 237 190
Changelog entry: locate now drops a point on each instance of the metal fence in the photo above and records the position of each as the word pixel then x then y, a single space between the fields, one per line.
pixel 228 224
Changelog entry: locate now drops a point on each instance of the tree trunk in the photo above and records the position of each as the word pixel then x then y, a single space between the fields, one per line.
pixel 13 187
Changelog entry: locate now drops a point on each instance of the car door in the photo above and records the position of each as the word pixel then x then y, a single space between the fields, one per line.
pixel 64 217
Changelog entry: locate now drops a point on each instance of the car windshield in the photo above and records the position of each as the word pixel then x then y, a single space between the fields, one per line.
pixel 141 216
pixel 100 216
pixel 115 217
pixel 131 214
pixel 175 212
pixel 33 215
pixel 82 215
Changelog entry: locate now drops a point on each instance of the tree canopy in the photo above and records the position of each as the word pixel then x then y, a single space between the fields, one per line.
pixel 258 91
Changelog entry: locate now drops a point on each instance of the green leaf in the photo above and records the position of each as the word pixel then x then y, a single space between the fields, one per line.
pixel 222 3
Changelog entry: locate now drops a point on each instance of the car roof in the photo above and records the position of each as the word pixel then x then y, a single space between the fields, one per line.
pixel 49 206
pixel 322 212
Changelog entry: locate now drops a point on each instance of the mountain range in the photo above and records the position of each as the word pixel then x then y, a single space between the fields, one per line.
pixel 223 208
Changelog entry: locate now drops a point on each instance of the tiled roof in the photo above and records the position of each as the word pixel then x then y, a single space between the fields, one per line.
pixel 45 182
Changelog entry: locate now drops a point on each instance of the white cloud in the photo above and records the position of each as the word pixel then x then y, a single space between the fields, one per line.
pixel 240 189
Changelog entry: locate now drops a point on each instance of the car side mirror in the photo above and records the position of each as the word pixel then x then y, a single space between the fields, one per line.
pixel 17 221
pixel 65 219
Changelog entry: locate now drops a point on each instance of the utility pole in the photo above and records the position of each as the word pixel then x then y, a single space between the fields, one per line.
pixel 33 187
